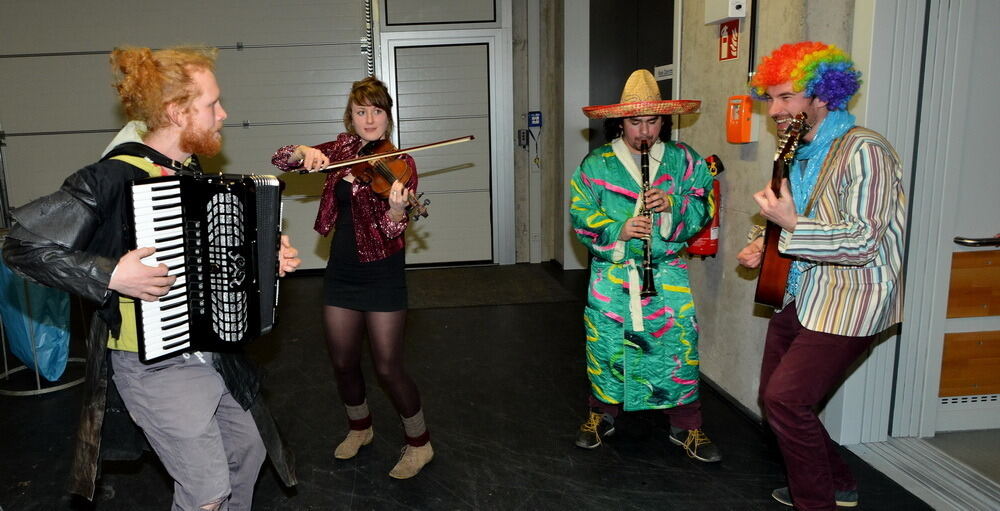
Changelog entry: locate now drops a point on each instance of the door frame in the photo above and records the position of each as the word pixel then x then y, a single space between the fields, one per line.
pixel 501 100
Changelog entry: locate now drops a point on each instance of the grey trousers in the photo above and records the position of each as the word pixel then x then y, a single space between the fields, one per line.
pixel 209 445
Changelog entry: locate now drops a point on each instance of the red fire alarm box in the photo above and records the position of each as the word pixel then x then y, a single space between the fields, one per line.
pixel 741 122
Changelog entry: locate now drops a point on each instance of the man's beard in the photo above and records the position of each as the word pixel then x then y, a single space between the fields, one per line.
pixel 201 142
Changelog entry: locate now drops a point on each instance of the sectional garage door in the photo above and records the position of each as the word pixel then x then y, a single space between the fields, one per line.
pixel 285 68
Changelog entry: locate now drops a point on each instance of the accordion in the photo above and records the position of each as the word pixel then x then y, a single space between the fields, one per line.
pixel 219 235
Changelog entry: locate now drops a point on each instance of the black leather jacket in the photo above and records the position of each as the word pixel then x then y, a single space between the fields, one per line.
pixel 72 240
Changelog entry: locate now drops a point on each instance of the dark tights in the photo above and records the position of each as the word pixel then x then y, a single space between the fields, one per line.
pixel 344 338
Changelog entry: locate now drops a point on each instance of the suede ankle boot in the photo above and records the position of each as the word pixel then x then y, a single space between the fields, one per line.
pixel 355 440
pixel 411 460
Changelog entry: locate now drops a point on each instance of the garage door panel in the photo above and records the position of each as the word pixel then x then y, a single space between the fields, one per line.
pixel 99 26
pixel 42 163
pixel 452 231
pixel 451 167
pixel 289 84
pixel 57 94
pixel 299 217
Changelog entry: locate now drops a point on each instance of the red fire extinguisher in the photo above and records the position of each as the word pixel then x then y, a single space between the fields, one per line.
pixel 706 242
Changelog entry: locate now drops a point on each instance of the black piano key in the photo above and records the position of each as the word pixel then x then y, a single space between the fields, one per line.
pixel 160 241
pixel 168 326
pixel 172 337
pixel 173 317
pixel 172 305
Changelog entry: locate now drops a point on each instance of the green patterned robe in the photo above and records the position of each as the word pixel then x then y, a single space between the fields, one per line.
pixel 641 353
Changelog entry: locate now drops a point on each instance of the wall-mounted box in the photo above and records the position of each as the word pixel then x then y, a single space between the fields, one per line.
pixel 717 11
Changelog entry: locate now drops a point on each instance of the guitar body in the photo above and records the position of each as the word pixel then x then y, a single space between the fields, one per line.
pixel 774 268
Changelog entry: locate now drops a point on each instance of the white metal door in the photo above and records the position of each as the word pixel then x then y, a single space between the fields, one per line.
pixel 954 195
pixel 447 87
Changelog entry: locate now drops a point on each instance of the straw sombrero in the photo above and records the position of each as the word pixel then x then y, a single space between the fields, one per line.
pixel 641 96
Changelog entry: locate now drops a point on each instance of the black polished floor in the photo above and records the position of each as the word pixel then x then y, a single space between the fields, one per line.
pixel 504 388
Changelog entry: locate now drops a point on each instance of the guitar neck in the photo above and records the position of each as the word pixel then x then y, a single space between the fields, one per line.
pixel 779 172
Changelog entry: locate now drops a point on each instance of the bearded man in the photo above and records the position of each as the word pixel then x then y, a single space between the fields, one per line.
pixel 201 412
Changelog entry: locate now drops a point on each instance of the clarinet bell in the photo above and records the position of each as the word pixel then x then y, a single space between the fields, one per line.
pixel 648 285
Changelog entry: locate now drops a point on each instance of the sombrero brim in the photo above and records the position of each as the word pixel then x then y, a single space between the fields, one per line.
pixel 665 107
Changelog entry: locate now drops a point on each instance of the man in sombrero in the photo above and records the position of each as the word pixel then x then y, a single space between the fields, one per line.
pixel 642 353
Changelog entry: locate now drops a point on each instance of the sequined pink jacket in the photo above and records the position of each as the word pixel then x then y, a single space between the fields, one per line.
pixel 377 235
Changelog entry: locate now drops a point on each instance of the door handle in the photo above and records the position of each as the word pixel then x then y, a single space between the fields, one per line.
pixel 978 242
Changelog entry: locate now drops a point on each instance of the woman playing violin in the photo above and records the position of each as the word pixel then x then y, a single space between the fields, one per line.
pixel 365 284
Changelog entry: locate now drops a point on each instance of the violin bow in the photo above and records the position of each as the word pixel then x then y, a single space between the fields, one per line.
pixel 353 161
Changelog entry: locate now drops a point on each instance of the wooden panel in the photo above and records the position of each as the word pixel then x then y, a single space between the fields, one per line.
pixel 975 284
pixel 970 364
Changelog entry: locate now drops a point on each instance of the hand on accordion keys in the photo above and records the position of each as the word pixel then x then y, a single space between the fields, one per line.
pixel 288 257
pixel 134 278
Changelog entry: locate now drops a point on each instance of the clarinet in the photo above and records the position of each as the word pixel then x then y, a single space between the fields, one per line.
pixel 648 286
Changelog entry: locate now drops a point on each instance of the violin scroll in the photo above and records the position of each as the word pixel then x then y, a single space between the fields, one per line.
pixel 417 208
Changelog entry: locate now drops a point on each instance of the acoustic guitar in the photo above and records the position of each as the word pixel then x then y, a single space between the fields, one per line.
pixel 774 266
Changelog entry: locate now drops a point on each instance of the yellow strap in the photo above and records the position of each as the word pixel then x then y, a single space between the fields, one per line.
pixel 151 168
pixel 128 338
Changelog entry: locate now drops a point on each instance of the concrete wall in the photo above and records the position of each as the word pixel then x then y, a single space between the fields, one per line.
pixel 732 326
pixel 551 146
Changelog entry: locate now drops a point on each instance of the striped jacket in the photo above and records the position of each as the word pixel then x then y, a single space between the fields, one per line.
pixel 855 239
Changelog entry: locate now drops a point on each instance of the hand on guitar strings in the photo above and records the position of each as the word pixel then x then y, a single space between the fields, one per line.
pixel 780 210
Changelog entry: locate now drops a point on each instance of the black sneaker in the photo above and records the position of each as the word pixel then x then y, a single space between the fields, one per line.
pixel 696 443
pixel 598 425
pixel 844 498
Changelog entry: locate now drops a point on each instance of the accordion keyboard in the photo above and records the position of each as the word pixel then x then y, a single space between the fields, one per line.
pixel 160 224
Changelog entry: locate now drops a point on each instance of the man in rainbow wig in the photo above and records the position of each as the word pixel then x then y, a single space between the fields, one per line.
pixel 841 211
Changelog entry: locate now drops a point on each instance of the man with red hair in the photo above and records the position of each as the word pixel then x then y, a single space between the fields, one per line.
pixel 200 412
pixel 841 212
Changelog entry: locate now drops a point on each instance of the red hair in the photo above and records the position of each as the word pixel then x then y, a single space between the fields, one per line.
pixel 147 81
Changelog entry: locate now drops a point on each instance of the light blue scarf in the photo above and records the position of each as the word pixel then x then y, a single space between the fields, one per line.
pixel 805 171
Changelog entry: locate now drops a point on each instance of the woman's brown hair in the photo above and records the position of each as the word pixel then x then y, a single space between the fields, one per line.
pixel 370 91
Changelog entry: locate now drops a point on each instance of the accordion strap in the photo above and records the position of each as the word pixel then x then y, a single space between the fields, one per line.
pixel 139 162
pixel 143 151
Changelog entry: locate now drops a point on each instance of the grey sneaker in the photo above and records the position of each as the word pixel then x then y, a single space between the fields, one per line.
pixel 844 498
pixel 697 445
pixel 598 425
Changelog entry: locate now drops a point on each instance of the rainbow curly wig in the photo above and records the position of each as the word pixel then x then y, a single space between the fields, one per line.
pixel 821 70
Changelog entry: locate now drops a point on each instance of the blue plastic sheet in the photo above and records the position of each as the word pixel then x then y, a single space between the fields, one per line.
pixel 47 326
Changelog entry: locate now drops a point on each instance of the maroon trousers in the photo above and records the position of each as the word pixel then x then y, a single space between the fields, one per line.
pixel 799 368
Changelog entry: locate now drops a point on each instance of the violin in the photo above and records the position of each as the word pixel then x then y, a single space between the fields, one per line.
pixel 380 174
pixel 385 170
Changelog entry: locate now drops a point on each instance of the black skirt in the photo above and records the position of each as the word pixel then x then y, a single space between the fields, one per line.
pixel 377 286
